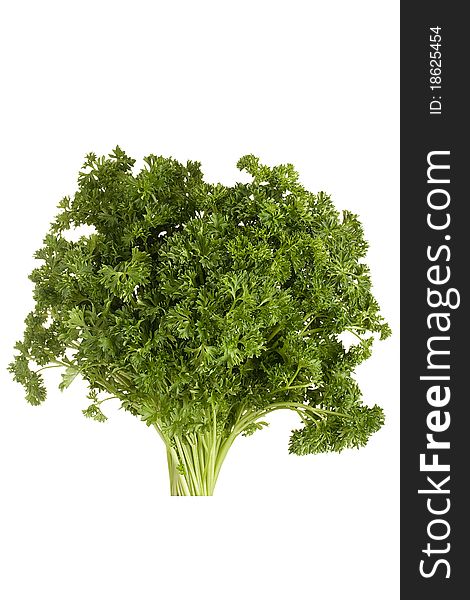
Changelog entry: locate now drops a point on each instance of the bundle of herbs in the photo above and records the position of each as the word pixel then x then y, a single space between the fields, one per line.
pixel 204 307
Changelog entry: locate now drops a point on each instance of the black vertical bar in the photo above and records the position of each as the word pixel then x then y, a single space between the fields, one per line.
pixel 435 259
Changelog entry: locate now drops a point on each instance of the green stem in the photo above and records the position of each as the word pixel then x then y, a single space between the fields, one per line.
pixel 299 406
pixel 292 379
pixel 351 330
pixel 274 332
pixel 195 459
pixel 194 462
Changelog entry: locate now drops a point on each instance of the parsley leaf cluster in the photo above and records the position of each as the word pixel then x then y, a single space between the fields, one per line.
pixel 204 307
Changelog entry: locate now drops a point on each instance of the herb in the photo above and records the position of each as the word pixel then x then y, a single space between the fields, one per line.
pixel 203 308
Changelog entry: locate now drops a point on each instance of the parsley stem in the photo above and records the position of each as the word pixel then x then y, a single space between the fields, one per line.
pixel 49 367
pixel 274 332
pixel 300 406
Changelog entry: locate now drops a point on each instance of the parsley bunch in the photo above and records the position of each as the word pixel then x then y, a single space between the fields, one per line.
pixel 204 307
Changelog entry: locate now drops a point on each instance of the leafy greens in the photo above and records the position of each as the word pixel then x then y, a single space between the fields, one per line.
pixel 204 307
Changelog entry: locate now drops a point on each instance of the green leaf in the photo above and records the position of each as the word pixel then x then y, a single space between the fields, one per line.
pixel 68 376
pixel 252 427
pixel 94 412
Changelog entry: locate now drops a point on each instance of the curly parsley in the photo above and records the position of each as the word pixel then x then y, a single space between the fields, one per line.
pixel 203 308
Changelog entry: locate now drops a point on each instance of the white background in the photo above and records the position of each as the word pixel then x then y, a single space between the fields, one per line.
pixel 84 506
